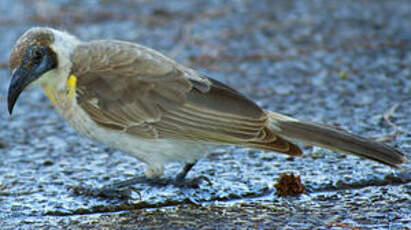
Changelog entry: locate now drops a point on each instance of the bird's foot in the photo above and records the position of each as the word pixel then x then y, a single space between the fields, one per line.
pixel 109 192
pixel 124 189
pixel 190 183
pixel 119 190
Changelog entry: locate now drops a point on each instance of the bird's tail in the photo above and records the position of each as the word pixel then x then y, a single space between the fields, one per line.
pixel 335 139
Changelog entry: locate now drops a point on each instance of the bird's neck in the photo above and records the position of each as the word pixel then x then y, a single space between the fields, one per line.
pixel 62 95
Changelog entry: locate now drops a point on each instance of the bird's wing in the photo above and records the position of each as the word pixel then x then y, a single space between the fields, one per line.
pixel 136 90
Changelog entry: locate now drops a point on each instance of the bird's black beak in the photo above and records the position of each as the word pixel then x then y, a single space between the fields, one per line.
pixel 33 66
pixel 19 81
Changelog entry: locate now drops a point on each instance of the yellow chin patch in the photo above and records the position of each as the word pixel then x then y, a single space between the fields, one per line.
pixel 59 98
pixel 71 86
pixel 49 92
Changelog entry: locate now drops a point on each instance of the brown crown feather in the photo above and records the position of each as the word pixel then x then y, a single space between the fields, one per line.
pixel 35 36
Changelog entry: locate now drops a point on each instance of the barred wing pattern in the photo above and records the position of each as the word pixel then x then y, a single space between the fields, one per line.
pixel 138 91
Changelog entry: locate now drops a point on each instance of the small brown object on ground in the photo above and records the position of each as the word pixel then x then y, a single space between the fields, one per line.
pixel 289 185
pixel 346 226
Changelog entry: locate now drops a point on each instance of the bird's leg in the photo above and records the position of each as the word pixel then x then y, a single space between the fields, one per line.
pixel 120 189
pixel 180 180
pixel 187 167
pixel 123 189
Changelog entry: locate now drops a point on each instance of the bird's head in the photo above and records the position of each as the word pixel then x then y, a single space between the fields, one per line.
pixel 37 58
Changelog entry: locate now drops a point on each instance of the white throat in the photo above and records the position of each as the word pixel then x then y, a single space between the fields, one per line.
pixel 64 45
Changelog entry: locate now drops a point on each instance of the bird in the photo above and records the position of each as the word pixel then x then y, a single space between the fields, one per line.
pixel 141 102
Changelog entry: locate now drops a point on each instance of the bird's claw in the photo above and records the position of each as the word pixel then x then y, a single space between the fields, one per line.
pixel 110 192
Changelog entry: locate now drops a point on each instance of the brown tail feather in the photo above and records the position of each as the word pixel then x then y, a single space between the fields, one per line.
pixel 335 139
pixel 275 143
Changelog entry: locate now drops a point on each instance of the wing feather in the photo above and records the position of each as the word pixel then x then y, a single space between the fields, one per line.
pixel 130 88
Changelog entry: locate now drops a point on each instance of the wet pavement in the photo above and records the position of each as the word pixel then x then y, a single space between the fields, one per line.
pixel 344 63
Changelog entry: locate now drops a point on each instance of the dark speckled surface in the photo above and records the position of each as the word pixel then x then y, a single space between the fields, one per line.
pixel 343 63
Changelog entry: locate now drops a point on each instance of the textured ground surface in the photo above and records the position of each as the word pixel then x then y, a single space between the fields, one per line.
pixel 344 63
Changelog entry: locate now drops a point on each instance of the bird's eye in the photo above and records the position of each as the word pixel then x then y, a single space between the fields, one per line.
pixel 37 55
